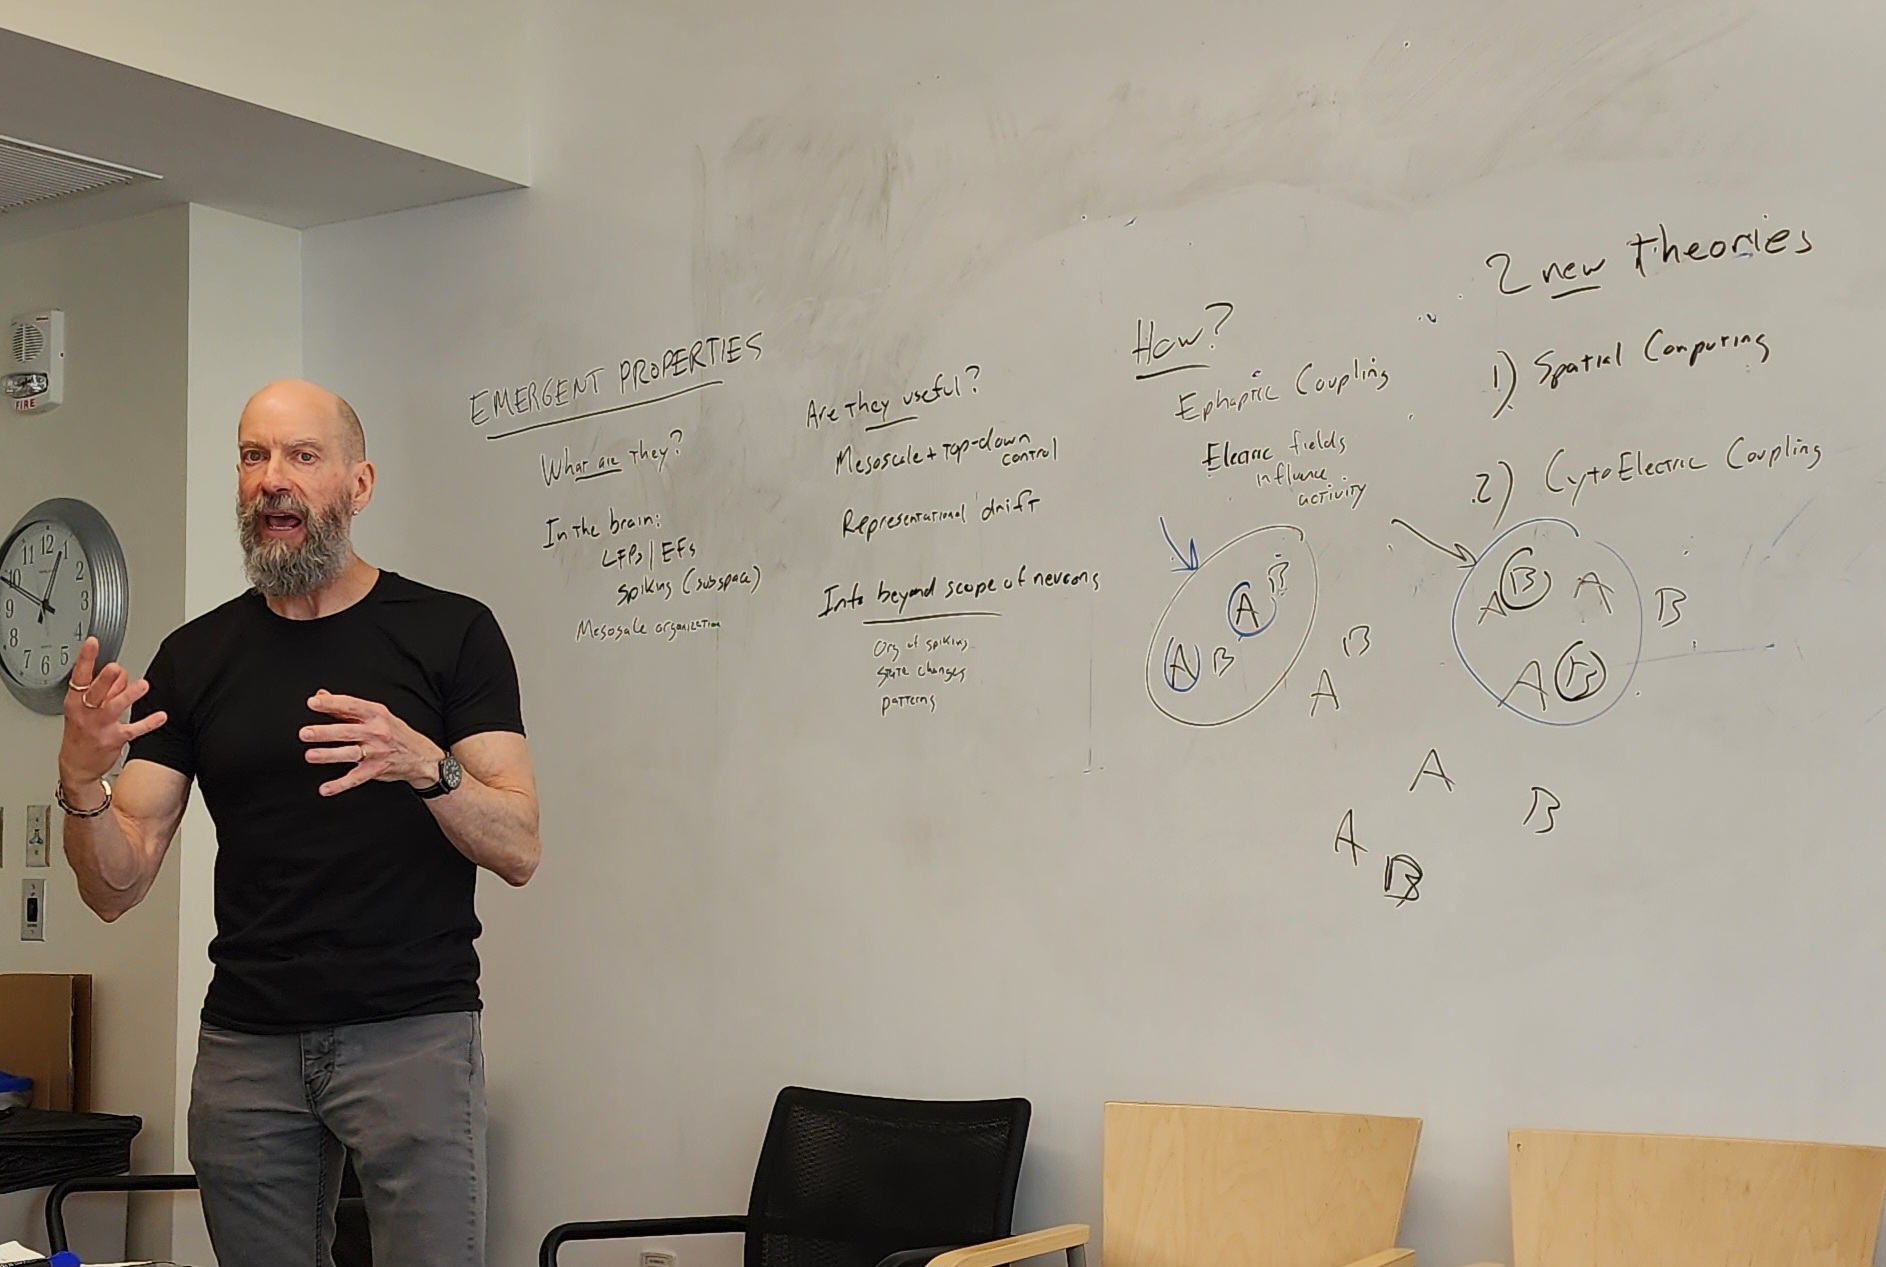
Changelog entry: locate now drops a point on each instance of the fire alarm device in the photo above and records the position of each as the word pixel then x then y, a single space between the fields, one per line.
pixel 35 377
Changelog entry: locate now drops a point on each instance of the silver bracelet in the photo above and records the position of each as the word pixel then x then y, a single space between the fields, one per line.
pixel 58 794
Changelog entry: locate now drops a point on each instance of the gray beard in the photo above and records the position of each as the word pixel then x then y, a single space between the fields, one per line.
pixel 281 570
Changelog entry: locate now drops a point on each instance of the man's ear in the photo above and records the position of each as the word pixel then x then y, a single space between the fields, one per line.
pixel 364 475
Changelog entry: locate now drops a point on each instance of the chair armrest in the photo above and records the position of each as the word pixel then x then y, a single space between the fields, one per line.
pixel 1397 1258
pixel 627 1229
pixel 1069 1236
pixel 55 1200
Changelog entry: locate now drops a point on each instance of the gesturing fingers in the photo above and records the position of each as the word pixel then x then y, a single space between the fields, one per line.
pixel 346 754
pixel 360 774
pixel 137 730
pixel 345 706
pixel 372 737
pixel 98 692
pixel 119 695
pixel 87 662
pixel 96 705
pixel 336 734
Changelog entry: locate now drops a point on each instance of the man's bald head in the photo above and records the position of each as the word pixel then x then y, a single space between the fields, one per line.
pixel 295 399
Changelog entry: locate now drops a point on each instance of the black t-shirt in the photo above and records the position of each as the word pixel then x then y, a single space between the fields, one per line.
pixel 343 909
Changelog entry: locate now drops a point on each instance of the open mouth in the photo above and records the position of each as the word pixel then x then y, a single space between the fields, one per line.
pixel 281 523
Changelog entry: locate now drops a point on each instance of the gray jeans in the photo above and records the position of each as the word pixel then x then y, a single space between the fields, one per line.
pixel 270 1116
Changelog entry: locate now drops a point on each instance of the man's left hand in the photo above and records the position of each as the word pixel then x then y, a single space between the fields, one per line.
pixel 371 739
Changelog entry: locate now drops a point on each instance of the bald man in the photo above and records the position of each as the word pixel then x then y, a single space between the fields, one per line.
pixel 360 746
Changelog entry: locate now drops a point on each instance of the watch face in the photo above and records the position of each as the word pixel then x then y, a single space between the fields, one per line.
pixel 62 579
pixel 48 595
pixel 450 773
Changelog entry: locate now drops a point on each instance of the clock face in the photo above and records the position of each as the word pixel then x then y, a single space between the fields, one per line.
pixel 47 597
pixel 62 579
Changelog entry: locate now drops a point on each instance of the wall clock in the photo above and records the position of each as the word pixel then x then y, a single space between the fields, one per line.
pixel 62 579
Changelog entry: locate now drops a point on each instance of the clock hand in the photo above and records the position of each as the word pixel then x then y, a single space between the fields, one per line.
pixel 22 589
pixel 45 604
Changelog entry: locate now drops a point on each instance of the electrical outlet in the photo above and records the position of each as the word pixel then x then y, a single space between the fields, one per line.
pixel 32 910
pixel 39 835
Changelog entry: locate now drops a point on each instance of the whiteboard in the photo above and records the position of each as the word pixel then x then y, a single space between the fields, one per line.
pixel 1307 556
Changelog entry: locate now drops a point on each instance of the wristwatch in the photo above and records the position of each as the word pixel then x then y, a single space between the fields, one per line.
pixel 451 773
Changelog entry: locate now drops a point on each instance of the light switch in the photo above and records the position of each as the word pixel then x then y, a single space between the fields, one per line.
pixel 39 835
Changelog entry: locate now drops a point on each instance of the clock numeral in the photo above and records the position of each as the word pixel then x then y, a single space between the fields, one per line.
pixel 85 600
pixel 13 636
pixel 80 574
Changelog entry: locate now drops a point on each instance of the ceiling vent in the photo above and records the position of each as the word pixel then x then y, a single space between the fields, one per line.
pixel 31 174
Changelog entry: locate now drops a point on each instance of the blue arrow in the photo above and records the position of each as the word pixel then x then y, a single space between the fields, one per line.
pixel 1188 557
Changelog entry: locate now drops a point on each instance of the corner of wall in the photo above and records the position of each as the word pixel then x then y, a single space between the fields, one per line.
pixel 244 331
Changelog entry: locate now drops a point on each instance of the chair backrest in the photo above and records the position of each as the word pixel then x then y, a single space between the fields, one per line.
pixel 1586 1199
pixel 1194 1186
pixel 844 1180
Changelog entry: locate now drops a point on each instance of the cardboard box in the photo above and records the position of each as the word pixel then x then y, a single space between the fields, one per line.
pixel 46 1035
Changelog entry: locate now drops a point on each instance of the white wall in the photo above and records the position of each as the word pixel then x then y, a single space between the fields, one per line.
pixel 438 77
pixel 119 443
pixel 751 877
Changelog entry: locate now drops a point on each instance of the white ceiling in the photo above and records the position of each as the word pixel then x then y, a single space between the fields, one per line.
pixel 208 148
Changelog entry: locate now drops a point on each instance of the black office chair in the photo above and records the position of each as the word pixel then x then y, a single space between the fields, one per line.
pixel 861 1181
pixel 353 1245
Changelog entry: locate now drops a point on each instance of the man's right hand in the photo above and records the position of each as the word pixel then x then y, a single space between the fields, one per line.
pixel 95 731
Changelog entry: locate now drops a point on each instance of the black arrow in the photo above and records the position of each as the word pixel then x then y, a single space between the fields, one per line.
pixel 1461 553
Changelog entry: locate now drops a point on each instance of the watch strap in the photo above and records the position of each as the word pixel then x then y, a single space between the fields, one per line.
pixel 442 785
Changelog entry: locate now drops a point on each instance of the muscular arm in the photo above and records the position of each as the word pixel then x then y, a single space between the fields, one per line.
pixel 118 853
pixel 492 817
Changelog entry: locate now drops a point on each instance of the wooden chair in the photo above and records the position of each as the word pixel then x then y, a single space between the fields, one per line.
pixel 1585 1199
pixel 1195 1186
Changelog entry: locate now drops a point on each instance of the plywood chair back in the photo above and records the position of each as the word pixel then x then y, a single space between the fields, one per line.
pixel 1603 1200
pixel 1194 1186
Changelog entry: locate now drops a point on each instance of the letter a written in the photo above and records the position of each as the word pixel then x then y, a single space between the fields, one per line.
pixel 1346 835
pixel 1532 677
pixel 1432 768
pixel 1325 690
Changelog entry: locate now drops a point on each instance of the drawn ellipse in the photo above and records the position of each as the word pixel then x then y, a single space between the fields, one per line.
pixel 1550 623
pixel 1234 630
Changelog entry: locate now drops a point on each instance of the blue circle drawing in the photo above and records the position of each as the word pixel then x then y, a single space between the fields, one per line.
pixel 1243 588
